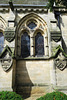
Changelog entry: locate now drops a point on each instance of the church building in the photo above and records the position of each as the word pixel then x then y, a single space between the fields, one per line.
pixel 33 47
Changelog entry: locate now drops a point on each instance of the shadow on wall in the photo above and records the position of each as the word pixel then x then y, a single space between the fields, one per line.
pixel 63 42
pixel 64 46
pixel 23 82
pixel 61 21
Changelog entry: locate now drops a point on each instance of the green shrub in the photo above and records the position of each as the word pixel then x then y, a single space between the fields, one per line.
pixel 6 95
pixel 54 96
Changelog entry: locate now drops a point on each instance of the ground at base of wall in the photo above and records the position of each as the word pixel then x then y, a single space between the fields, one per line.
pixel 34 97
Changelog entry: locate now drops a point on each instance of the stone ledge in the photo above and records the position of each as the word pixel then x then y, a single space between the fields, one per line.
pixel 33 58
pixel 40 10
pixel 4 10
pixel 60 87
pixel 33 84
pixel 24 8
pixel 6 89
pixel 60 9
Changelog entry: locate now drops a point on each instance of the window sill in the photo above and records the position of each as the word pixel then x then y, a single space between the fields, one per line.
pixel 33 58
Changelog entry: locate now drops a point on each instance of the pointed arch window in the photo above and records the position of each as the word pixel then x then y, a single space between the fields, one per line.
pixel 39 44
pixel 25 45
pixel 1 42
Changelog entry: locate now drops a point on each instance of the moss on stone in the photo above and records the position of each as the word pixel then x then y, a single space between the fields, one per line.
pixel 7 48
pixel 57 50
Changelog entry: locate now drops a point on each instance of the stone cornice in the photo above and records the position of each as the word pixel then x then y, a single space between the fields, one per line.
pixel 60 9
pixel 24 8
pixel 4 8
pixel 30 8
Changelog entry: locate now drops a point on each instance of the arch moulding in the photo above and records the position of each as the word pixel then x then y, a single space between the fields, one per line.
pixel 3 24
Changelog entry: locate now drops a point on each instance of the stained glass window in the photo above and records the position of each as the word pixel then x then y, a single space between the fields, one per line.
pixel 25 45
pixel 39 44
pixel 31 25
pixel 1 42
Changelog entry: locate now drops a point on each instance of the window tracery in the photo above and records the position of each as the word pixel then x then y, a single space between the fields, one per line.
pixel 31 25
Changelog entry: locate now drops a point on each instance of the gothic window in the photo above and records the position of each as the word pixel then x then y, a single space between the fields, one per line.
pixel 31 33
pixel 1 42
pixel 39 44
pixel 25 45
pixel 31 25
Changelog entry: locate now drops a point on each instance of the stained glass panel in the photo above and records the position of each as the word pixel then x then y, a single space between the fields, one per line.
pixel 32 25
pixel 39 45
pixel 25 45
pixel 1 42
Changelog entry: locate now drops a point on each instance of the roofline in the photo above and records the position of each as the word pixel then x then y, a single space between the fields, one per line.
pixel 22 5
pixel 30 5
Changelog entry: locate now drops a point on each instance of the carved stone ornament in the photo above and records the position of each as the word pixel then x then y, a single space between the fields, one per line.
pixel 6 62
pixel 55 31
pixel 9 34
pixel 41 27
pixel 60 62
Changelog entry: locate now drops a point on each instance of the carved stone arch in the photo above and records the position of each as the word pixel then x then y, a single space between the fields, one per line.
pixel 41 26
pixel 38 30
pixel 24 30
pixel 29 16
pixel 3 24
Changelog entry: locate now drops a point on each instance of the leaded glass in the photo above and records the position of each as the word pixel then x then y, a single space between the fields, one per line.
pixel 32 25
pixel 1 42
pixel 25 45
pixel 39 45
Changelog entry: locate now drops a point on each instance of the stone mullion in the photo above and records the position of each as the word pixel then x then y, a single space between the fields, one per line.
pixel 46 45
pixel 31 46
pixel 46 51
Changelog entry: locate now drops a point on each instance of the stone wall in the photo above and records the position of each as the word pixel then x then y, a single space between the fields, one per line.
pixel 34 76
pixel 7 79
pixel 61 79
